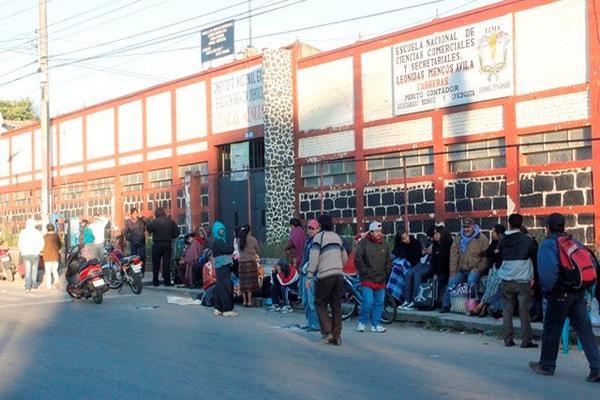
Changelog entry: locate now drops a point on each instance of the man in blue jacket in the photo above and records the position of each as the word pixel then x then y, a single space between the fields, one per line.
pixel 563 302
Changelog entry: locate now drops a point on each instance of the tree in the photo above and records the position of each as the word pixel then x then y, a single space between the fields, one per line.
pixel 19 110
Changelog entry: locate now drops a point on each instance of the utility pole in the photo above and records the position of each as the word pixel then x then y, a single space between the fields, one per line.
pixel 46 198
pixel 250 22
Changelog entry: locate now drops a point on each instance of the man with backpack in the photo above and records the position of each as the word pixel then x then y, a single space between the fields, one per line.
pixel 566 270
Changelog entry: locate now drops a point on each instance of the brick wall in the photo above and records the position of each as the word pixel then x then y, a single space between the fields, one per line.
pixel 476 194
pixel 389 200
pixel 571 187
pixel 337 203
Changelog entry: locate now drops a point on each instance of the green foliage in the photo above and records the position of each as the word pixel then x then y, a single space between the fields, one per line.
pixel 9 236
pixel 18 110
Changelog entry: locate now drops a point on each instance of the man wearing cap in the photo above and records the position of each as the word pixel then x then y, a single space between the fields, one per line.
pixel 373 263
pixel 467 258
pixel 563 302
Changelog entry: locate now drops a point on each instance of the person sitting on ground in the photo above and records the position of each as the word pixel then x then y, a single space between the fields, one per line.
pixel 467 258
pixel 284 286
pixel 248 266
pixel 518 252
pixel 493 282
pixel 373 263
pixel 407 247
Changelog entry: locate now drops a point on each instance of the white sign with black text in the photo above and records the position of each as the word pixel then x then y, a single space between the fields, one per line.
pixel 463 65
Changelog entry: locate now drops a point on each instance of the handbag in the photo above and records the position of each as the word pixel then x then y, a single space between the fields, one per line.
pixel 426 297
pixel 458 298
pixel 472 300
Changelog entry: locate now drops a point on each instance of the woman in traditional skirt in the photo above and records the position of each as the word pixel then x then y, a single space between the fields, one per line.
pixel 248 265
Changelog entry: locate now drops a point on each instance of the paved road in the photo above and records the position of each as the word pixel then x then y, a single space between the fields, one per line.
pixel 53 348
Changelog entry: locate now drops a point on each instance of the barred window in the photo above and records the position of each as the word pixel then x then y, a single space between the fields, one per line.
pixel 476 156
pixel 22 197
pixel 161 178
pixel 561 146
pixel 101 187
pixel 133 182
pixel 334 173
pixel 72 191
pixel 4 199
pixel 202 168
pixel 383 167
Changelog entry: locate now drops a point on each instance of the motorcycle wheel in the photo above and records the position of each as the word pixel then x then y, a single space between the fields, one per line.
pixel 349 307
pixel 112 281
pixel 389 309
pixel 71 291
pixel 136 284
pixel 9 272
pixel 97 296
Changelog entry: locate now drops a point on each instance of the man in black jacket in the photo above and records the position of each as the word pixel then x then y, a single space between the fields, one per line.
pixel 163 230
pixel 135 233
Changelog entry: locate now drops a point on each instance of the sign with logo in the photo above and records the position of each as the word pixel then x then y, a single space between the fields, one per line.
pixel 240 161
pixel 237 100
pixel 459 66
pixel 217 41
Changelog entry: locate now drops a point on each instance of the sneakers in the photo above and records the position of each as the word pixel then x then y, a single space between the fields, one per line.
pixel 361 327
pixel 537 367
pixel 444 310
pixel 377 329
pixel 401 306
pixel 286 310
pixel 410 306
pixel 273 307
pixel 230 314
pixel 217 313
pixel 529 345
pixel 27 290
pixel 509 343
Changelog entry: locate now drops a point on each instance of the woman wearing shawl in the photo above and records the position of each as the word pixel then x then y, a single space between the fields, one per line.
pixel 222 253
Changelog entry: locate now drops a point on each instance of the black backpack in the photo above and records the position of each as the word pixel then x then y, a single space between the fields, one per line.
pixel 427 295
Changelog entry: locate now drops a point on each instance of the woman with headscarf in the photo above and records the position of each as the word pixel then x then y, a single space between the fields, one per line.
pixel 248 266
pixel 223 261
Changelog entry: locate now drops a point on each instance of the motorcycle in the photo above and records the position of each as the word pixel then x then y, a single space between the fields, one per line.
pixel 87 282
pixel 119 270
pixel 7 270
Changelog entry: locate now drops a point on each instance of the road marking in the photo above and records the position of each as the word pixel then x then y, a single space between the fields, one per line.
pixel 57 301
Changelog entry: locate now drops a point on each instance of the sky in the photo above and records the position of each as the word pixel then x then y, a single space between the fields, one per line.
pixel 104 49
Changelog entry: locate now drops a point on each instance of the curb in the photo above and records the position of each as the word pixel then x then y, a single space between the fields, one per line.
pixel 467 323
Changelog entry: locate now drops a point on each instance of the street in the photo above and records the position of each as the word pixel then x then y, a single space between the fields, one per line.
pixel 55 348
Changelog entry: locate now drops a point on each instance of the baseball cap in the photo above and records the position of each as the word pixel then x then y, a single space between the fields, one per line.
pixel 468 221
pixel 313 223
pixel 374 226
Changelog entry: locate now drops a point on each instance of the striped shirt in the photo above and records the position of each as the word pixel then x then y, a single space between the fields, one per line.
pixel 327 255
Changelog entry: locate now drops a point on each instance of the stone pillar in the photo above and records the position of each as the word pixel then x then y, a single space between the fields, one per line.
pixel 279 141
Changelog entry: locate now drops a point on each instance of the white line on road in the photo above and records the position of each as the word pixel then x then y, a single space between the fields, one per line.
pixel 57 301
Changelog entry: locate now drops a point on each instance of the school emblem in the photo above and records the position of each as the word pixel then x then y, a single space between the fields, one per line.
pixel 493 53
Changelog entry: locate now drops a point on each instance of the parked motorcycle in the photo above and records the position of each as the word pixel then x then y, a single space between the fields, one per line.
pixel 119 270
pixel 86 281
pixel 7 270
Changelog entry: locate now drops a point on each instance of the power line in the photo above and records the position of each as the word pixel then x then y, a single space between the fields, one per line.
pixel 21 11
pixel 71 17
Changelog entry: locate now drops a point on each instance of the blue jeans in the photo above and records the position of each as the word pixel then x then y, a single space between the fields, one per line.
pixel 31 271
pixel 461 277
pixel 310 311
pixel 372 305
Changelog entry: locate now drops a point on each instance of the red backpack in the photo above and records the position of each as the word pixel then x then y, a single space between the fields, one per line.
pixel 577 263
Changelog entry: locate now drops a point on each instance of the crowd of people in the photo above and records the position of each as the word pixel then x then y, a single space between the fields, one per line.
pixel 519 274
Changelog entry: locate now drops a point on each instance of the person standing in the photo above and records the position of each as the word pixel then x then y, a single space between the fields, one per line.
pixel 135 234
pixel 86 241
pixel 564 302
pixel 163 230
pixel 296 241
pixel 191 255
pixel 98 225
pixel 373 263
pixel 31 243
pixel 467 258
pixel 248 266
pixel 308 294
pixel 50 252
pixel 517 252
pixel 223 261
pixel 327 258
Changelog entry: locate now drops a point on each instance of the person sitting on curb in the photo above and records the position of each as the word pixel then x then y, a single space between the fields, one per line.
pixel 493 284
pixel 517 251
pixel 285 285
pixel 407 247
pixel 373 263
pixel 467 258
pixel 563 302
